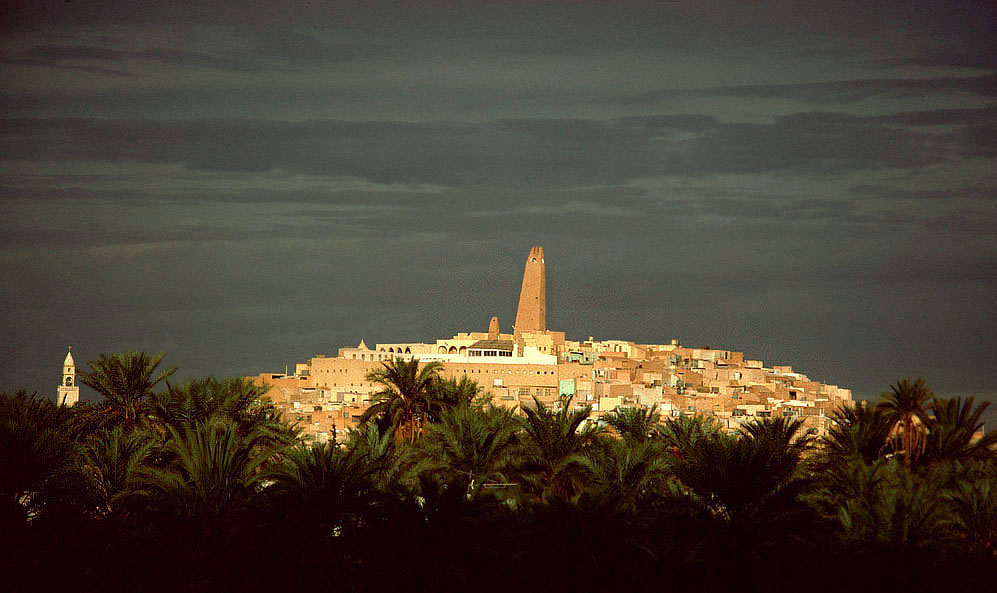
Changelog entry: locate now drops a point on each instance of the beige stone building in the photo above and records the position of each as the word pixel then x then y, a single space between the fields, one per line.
pixel 327 394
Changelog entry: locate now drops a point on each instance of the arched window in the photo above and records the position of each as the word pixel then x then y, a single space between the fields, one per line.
pixel 408 350
pixel 462 350
pixel 453 350
pixel 69 381
pixel 443 350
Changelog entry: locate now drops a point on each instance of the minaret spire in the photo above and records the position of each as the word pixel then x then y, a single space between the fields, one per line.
pixel 532 312
pixel 68 393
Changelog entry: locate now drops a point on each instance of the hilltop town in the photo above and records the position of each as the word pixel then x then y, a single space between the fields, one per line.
pixel 327 395
pixel 214 471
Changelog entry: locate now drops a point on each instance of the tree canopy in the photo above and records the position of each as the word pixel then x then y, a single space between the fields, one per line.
pixel 202 486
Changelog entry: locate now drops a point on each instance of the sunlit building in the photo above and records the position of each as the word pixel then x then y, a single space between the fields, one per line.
pixel 327 394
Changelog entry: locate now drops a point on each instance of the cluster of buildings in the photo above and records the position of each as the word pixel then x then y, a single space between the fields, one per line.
pixel 327 394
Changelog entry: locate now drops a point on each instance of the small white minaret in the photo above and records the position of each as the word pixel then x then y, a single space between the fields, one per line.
pixel 69 392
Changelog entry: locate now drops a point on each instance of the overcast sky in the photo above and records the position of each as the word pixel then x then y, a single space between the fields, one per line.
pixel 247 187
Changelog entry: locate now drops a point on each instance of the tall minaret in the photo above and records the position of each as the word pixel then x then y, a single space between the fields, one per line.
pixel 69 392
pixel 532 312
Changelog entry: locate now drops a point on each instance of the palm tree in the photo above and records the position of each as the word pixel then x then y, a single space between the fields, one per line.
pixel 196 502
pixel 752 480
pixel 34 449
pixel 109 461
pixel 906 407
pixel 749 492
pixel 553 449
pixel 953 428
pixel 897 518
pixel 213 474
pixel 380 451
pixel 859 431
pixel 440 538
pixel 447 527
pixel 457 393
pixel 125 380
pixel 195 401
pixel 974 513
pixel 683 433
pixel 445 503
pixel 635 422
pixel 779 436
pixel 408 396
pixel 476 443
pixel 236 399
pixel 629 471
pixel 324 489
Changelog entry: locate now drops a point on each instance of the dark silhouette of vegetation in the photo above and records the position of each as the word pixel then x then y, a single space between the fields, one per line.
pixel 635 423
pixel 554 442
pixel 200 486
pixel 34 452
pixel 860 431
pixel 906 406
pixel 125 381
pixel 952 428
pixel 478 443
pixel 408 398
pixel 683 434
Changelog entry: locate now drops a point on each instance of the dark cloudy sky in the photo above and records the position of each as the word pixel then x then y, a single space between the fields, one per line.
pixel 247 186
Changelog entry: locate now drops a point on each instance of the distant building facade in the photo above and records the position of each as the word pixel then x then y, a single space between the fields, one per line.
pixel 327 395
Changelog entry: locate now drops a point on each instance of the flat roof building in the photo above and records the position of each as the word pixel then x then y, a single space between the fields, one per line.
pixel 327 395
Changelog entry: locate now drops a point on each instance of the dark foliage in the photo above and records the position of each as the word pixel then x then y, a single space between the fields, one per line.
pixel 201 487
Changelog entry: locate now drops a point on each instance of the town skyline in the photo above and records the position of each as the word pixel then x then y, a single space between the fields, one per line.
pixel 240 190
pixel 532 316
pixel 328 396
